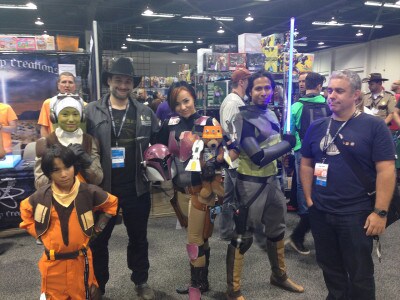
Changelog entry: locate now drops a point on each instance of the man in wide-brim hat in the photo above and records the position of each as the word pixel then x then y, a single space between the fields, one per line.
pixel 124 128
pixel 122 66
pixel 380 102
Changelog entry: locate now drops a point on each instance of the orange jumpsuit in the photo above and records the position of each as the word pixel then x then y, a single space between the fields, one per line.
pixel 64 279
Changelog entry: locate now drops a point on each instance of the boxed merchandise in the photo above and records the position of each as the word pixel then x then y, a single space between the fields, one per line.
pixel 275 39
pixel 216 92
pixel 217 61
pixel 272 63
pixel 255 61
pixel 67 43
pixel 201 59
pixel 302 62
pixel 224 48
pixel 249 43
pixel 237 60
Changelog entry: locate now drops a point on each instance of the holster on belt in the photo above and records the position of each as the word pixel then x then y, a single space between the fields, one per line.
pixel 183 220
pixel 208 225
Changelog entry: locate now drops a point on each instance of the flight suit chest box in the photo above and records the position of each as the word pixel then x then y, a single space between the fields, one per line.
pixel 16 184
pixel 249 43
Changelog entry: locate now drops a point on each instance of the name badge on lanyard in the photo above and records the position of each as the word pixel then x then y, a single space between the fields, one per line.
pixel 118 157
pixel 321 172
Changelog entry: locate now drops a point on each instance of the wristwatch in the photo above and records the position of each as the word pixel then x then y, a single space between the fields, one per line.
pixel 382 213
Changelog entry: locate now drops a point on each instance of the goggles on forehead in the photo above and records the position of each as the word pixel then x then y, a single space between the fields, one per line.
pixel 66 95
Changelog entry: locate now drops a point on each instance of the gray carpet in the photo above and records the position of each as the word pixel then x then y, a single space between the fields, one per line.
pixel 19 276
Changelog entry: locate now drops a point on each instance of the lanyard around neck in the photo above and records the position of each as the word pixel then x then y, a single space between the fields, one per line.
pixel 328 144
pixel 113 122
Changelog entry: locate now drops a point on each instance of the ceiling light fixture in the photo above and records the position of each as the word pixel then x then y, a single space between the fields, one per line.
pixel 29 5
pixel 173 62
pixel 367 25
pixel 195 17
pixel 321 43
pixel 45 35
pixel 359 33
pixel 375 3
pixel 199 41
pixel 39 22
pixel 129 39
pixel 159 15
pixel 124 47
pixel 220 30
pixel 185 49
pixel 147 12
pixel 249 18
pixel 332 22
pixel 226 19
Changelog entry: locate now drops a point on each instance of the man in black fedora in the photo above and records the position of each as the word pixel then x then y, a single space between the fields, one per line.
pixel 124 128
pixel 380 102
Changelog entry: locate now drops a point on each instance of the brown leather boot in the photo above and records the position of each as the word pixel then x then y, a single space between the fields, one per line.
pixel 234 266
pixel 279 278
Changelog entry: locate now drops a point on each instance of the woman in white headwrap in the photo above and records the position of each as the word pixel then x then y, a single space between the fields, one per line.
pixel 67 112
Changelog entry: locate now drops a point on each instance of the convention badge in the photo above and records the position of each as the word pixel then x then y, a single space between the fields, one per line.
pixel 118 157
pixel 321 172
pixel 375 111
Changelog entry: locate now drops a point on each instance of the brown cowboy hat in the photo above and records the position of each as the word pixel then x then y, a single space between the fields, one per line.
pixel 374 77
pixel 122 66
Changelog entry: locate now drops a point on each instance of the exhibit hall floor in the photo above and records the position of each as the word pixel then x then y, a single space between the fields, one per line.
pixel 169 266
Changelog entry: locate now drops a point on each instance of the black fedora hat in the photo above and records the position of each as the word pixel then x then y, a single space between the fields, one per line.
pixel 122 66
pixel 374 77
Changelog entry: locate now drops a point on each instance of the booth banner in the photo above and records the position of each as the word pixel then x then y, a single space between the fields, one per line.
pixel 15 186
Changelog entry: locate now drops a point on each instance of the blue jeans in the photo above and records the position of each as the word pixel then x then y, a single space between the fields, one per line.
pixel 301 200
pixel 343 252
pixel 226 224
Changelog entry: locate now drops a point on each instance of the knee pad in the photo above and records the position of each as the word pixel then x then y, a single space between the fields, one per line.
pixel 244 245
pixel 194 251
pixel 277 238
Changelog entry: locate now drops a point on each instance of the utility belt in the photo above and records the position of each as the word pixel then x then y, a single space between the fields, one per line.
pixel 51 255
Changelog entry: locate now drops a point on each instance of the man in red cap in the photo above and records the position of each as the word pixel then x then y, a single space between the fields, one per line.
pixel 229 108
pixel 380 102
pixel 124 128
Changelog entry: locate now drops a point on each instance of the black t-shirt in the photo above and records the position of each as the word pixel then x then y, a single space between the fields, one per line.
pixel 367 138
pixel 123 179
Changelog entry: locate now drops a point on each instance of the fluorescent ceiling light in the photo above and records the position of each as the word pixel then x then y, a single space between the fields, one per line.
pixel 300 44
pixel 29 5
pixel 220 30
pixel 330 23
pixel 227 19
pixel 129 39
pixel 159 15
pixel 124 47
pixel 198 17
pixel 359 33
pixel 321 43
pixel 173 62
pixel 367 25
pixel 199 41
pixel 185 49
pixel 195 17
pixel 375 3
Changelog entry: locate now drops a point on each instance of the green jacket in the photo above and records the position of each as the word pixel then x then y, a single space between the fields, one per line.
pixel 295 120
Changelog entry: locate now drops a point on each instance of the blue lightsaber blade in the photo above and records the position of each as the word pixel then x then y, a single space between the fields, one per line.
pixel 290 76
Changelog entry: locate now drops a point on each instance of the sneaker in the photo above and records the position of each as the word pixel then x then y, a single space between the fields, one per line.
pixel 144 291
pixel 299 247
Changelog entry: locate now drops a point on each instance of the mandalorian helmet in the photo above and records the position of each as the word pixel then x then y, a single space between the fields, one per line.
pixel 158 163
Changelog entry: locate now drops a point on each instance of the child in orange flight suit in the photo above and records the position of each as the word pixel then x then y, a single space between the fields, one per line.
pixel 61 215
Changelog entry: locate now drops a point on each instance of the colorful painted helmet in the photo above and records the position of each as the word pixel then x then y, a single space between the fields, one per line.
pixel 159 163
